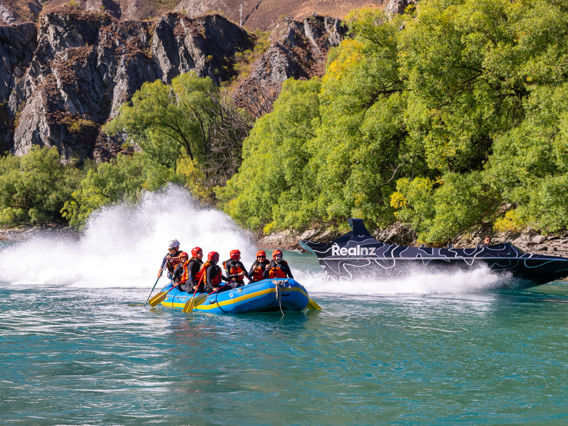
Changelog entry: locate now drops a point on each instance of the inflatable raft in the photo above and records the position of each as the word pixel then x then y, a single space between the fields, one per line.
pixel 263 296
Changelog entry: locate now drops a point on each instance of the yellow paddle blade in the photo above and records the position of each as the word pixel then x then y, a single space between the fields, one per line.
pixel 158 298
pixel 199 300
pixel 189 305
pixel 313 305
pixel 194 302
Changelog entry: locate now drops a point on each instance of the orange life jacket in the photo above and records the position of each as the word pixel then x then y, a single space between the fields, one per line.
pixel 236 270
pixel 233 270
pixel 258 271
pixel 257 274
pixel 184 276
pixel 198 275
pixel 276 272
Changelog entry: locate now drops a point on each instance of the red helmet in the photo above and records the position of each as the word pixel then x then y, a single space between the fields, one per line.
pixel 276 252
pixel 235 254
pixel 213 256
pixel 195 251
pixel 260 253
pixel 183 254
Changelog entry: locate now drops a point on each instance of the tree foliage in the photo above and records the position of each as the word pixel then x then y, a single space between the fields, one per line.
pixel 34 188
pixel 449 118
pixel 189 117
pixel 119 180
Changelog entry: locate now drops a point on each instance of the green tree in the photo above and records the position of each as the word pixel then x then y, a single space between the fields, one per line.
pixel 189 117
pixel 34 188
pixel 119 180
pixel 274 181
pixel 463 102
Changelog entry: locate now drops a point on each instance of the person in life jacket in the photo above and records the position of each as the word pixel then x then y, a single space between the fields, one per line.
pixel 213 275
pixel 235 269
pixel 194 271
pixel 179 276
pixel 278 267
pixel 171 259
pixel 259 266
pixel 188 271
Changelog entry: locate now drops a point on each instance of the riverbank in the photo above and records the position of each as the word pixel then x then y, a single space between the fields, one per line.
pixel 26 232
pixel 529 241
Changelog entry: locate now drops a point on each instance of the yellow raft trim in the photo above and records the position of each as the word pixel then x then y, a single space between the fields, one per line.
pixel 204 307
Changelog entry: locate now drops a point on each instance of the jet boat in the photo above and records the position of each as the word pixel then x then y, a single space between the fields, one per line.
pixel 358 254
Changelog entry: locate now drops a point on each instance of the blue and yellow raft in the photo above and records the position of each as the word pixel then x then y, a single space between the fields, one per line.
pixel 263 296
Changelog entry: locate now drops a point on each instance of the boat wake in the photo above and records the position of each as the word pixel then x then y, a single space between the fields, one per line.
pixel 122 246
pixel 419 282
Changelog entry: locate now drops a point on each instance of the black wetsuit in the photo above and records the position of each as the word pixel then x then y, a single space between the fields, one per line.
pixel 178 273
pixel 214 271
pixel 193 268
pixel 234 268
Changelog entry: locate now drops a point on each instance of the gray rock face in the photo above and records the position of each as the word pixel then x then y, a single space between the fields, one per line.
pixel 539 239
pixel 63 82
pixel 399 6
pixel 298 50
pixel 17 44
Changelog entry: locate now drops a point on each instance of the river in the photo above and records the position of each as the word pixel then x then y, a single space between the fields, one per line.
pixel 428 350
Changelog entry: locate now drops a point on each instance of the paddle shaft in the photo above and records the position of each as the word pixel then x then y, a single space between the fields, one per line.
pixel 152 291
pixel 188 303
pixel 160 296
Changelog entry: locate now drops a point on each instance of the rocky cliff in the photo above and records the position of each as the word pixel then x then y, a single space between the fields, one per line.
pixel 62 79
pixel 298 50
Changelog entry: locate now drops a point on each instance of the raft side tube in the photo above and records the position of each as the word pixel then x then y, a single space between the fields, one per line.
pixel 262 296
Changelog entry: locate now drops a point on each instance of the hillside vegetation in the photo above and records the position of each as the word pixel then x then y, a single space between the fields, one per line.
pixel 451 118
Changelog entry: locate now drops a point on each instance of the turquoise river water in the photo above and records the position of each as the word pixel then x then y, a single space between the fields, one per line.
pixel 430 350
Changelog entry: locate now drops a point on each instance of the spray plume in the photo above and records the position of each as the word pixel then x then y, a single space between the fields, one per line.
pixel 123 245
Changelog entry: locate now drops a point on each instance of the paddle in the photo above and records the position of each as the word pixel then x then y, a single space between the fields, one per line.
pixel 190 304
pixel 199 299
pixel 313 305
pixel 151 291
pixel 158 298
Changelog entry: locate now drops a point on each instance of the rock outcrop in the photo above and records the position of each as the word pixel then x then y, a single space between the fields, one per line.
pixel 61 81
pixel 399 6
pixel 86 65
pixel 298 50
pixel 19 11
pixel 17 44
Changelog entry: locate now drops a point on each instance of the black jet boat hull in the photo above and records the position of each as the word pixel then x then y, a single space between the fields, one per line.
pixel 358 254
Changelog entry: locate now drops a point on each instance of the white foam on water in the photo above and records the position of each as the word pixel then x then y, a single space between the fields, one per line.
pixel 123 245
pixel 417 282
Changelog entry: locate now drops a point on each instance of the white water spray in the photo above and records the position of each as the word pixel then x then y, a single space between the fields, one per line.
pixel 434 282
pixel 123 246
